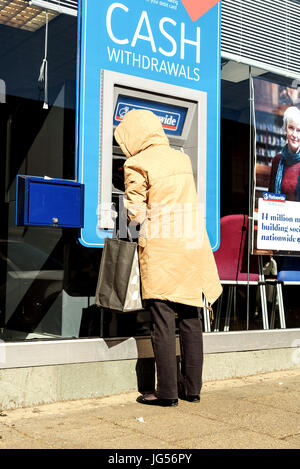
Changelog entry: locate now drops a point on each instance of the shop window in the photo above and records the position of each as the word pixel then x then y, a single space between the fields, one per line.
pixel 251 136
pixel 47 279
pixel 40 142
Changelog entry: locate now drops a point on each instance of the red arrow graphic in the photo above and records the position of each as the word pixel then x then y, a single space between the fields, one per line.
pixel 197 8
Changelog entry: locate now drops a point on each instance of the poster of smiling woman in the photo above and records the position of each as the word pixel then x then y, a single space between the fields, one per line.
pixel 276 199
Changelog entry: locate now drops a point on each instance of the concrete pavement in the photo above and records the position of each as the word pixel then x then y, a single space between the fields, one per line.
pixel 255 412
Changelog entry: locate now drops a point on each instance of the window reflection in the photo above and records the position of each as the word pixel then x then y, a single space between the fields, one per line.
pixel 38 142
pixel 47 279
pixel 237 156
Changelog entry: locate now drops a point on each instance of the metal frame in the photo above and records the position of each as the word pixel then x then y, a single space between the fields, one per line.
pixel 232 297
pixel 262 284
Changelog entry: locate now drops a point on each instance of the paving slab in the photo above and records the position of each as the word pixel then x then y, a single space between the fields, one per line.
pixel 288 401
pixel 239 439
pixel 258 412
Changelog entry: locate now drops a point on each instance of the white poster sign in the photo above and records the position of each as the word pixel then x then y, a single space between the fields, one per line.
pixel 278 225
pixel 276 171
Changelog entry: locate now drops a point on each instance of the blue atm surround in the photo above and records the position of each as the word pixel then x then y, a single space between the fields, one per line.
pixel 49 202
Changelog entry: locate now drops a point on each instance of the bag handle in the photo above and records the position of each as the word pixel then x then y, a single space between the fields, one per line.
pixel 129 235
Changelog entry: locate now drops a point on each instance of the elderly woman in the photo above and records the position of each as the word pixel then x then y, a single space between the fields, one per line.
pixel 285 172
pixel 176 268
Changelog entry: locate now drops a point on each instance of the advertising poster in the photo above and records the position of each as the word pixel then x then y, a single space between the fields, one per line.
pixel 277 169
pixel 161 55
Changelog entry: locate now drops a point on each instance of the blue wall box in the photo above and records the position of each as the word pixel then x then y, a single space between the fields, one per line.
pixel 49 202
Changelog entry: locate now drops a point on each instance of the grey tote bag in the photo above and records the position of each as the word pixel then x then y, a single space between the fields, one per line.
pixel 118 286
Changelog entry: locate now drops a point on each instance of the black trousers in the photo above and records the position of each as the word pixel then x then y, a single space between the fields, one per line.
pixel 164 348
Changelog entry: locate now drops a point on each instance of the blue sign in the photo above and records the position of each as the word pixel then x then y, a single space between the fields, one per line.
pixel 128 45
pixel 171 117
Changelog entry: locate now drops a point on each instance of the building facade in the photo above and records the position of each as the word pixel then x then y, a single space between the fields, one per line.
pixel 48 279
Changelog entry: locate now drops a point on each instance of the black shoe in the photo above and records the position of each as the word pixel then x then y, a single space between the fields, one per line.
pixel 190 397
pixel 157 401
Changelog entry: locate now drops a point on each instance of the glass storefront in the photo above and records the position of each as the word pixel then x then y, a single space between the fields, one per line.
pixel 47 278
pixel 252 134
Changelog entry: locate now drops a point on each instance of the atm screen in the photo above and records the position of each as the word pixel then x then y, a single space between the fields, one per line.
pixel 172 117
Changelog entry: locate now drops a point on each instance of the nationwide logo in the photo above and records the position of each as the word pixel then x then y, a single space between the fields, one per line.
pixel 169 120
pixel 269 196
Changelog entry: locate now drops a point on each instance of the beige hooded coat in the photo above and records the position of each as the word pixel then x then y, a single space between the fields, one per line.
pixel 176 259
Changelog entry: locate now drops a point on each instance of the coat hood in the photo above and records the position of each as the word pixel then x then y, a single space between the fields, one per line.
pixel 138 130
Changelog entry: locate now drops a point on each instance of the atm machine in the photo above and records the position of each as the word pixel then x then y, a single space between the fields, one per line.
pixel 183 113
